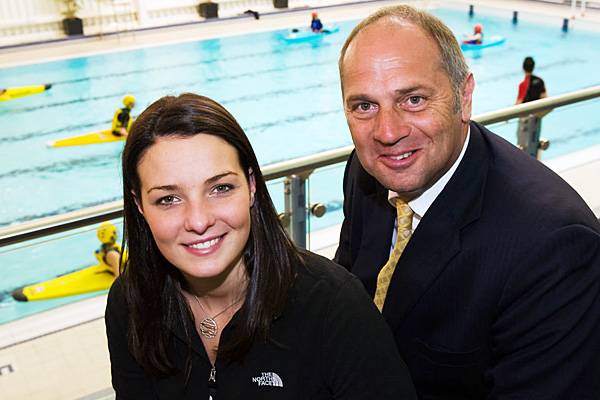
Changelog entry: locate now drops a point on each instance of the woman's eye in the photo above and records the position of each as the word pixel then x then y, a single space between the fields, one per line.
pixel 166 200
pixel 222 188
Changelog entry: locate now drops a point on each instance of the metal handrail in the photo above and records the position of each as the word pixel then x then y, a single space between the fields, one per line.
pixel 93 215
pixel 533 107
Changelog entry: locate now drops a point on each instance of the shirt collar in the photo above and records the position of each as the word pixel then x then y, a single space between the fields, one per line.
pixel 421 204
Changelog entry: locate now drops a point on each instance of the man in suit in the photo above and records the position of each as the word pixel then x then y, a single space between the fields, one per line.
pixel 496 294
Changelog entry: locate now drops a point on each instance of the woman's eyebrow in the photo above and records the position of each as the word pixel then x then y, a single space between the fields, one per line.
pixel 163 187
pixel 219 176
pixel 210 180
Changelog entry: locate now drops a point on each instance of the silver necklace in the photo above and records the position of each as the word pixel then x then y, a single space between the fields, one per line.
pixel 208 326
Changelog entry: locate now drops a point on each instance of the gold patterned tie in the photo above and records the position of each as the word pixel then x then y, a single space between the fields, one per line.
pixel 404 229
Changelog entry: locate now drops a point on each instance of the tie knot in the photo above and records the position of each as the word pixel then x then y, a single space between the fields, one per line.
pixel 402 208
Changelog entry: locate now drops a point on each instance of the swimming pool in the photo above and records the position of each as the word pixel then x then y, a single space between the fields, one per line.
pixel 286 97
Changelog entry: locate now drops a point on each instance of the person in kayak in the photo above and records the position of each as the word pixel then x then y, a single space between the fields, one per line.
pixel 476 37
pixel 122 120
pixel 315 24
pixel 109 252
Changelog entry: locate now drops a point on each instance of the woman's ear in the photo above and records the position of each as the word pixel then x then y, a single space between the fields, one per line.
pixel 138 203
pixel 251 185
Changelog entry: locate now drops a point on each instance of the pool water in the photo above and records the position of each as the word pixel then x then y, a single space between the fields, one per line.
pixel 285 96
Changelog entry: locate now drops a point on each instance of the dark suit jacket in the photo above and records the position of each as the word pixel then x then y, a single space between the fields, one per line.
pixel 497 294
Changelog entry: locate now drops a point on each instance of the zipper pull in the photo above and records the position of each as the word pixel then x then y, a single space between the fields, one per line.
pixel 212 384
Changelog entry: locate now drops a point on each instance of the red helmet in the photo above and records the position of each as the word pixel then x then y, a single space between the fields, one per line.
pixel 314 14
pixel 478 28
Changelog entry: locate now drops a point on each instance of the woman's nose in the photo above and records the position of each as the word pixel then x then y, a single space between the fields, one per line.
pixel 198 217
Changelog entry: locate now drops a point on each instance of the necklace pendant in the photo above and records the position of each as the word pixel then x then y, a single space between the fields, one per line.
pixel 208 328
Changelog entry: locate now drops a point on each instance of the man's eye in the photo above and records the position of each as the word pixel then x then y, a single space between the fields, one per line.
pixel 415 100
pixel 364 107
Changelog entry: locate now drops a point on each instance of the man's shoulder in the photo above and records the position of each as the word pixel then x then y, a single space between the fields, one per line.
pixel 528 187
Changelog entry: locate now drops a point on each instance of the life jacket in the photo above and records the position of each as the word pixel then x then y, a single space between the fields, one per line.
pixel 100 254
pixel 121 119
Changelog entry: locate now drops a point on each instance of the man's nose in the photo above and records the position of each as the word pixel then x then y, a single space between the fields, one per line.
pixel 391 126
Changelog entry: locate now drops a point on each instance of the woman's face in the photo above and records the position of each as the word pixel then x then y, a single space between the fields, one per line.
pixel 196 199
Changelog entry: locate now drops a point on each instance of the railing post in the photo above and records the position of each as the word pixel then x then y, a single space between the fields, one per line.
pixel 528 136
pixel 295 207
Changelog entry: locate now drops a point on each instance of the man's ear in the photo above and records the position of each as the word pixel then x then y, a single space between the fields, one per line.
pixel 138 203
pixel 466 98
pixel 251 185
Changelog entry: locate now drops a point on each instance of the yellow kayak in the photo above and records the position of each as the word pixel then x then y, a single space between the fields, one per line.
pixel 87 138
pixel 22 91
pixel 90 279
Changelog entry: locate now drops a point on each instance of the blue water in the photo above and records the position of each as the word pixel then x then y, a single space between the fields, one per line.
pixel 286 97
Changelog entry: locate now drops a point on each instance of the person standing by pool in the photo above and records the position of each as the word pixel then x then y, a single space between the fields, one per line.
pixel 529 127
pixel 315 24
pixel 215 301
pixel 532 87
pixel 122 120
pixel 484 262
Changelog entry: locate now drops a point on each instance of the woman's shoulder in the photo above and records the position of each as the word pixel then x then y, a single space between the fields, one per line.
pixel 320 276
pixel 317 267
pixel 115 302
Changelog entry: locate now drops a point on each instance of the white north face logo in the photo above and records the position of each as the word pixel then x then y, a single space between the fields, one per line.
pixel 268 379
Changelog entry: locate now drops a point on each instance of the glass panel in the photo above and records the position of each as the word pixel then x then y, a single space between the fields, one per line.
pixel 40 260
pixel 569 128
pixel 325 187
pixel 275 188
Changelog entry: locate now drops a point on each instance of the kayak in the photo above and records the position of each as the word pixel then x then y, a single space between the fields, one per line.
pixel 488 42
pixel 22 91
pixel 87 138
pixel 306 35
pixel 99 137
pixel 90 279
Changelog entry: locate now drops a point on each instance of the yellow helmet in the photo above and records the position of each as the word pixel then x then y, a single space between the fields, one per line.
pixel 129 100
pixel 107 233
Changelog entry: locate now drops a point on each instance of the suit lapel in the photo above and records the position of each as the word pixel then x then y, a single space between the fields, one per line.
pixel 437 238
pixel 376 238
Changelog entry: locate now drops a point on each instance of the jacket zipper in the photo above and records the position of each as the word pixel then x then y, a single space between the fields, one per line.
pixel 212 384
